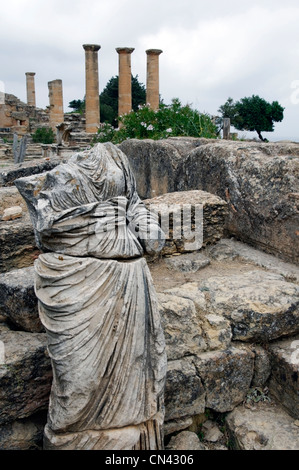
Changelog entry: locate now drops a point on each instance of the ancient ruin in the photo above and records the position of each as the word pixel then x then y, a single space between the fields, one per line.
pixel 30 85
pixel 124 80
pixel 152 78
pixel 92 107
pixel 56 114
pixel 229 305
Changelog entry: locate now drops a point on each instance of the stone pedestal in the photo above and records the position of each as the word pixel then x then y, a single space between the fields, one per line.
pixel 152 79
pixel 124 80
pixel 92 100
pixel 30 86
pixel 56 115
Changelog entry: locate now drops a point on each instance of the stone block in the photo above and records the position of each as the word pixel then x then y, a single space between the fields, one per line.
pixel 216 332
pixel 25 375
pixel 191 291
pixel 262 366
pixel 184 391
pixel 24 434
pixel 259 182
pixel 10 197
pixel 190 219
pixel 154 163
pixel 185 440
pixel 284 381
pixel 18 302
pixel 12 213
pixel 261 306
pixel 268 427
pixel 226 377
pixel 182 328
pixel 17 244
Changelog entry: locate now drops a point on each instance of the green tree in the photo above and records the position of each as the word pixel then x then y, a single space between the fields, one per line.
pixel 253 114
pixel 109 99
pixel 77 105
pixel 43 135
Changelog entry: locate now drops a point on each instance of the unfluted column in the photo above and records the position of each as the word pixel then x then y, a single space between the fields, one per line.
pixel 56 103
pixel 92 99
pixel 124 80
pixel 30 86
pixel 152 78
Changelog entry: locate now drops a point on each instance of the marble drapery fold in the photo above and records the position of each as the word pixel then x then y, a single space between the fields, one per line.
pixel 98 304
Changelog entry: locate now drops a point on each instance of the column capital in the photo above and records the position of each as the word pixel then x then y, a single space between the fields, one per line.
pixel 125 50
pixel 91 47
pixel 154 51
pixel 30 74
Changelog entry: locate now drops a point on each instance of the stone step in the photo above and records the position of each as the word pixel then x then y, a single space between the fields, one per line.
pixel 284 381
pixel 265 426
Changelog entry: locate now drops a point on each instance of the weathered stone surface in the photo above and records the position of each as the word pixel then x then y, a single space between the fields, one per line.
pixel 176 425
pixel 155 163
pixel 226 377
pixel 25 375
pixel 186 226
pixel 284 381
pixel 8 176
pixel 260 306
pixel 25 434
pixel 181 325
pixel 17 244
pixel 268 427
pixel 217 332
pixel 191 291
pixel 197 333
pixel 18 302
pixel 184 391
pixel 191 262
pixel 9 197
pixel 12 213
pixel 230 249
pixel 262 366
pixel 259 182
pixel 211 431
pixel 185 440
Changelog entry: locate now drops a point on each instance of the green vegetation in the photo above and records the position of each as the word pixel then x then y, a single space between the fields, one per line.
pixel 109 100
pixel 78 106
pixel 168 121
pixel 252 114
pixel 43 135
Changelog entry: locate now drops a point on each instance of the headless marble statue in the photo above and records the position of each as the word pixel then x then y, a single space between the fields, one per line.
pixel 98 304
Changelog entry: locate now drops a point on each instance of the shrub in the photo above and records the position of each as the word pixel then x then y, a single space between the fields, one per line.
pixel 168 121
pixel 43 135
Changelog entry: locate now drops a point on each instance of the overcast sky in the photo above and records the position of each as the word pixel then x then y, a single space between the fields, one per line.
pixel 211 49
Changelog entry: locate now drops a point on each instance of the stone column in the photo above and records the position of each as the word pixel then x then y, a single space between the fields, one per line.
pixel 56 103
pixel 124 80
pixel 92 100
pixel 226 128
pixel 30 86
pixel 152 78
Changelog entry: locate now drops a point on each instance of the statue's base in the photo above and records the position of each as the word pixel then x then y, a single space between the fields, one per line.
pixel 145 436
